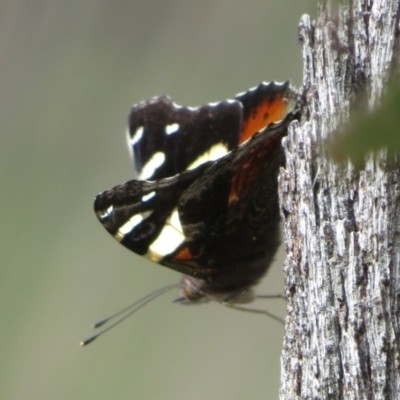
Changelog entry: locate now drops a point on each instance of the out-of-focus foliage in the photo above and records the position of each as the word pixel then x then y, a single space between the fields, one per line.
pixel 371 130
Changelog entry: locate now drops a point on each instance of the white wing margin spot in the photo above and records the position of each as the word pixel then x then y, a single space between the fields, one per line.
pixel 103 214
pixel 137 135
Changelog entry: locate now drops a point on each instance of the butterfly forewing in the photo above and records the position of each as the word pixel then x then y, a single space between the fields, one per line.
pixel 166 138
pixel 263 105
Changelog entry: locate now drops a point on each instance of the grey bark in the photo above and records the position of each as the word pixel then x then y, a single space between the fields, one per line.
pixel 341 224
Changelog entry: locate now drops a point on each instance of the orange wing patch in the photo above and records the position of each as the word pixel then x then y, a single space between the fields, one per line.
pixel 270 110
pixel 250 168
pixel 183 255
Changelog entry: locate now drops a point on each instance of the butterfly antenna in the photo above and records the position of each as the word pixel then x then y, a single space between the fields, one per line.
pixel 137 305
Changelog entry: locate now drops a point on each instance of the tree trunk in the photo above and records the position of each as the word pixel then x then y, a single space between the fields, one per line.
pixel 342 224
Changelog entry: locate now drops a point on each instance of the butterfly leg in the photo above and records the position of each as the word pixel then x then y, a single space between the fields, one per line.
pixel 272 296
pixel 254 310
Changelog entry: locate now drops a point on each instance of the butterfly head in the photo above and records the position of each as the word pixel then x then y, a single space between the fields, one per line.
pixel 191 291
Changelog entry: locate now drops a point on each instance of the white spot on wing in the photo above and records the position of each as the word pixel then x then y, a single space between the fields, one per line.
pixel 171 128
pixel 128 226
pixel 214 153
pixel 106 213
pixel 137 135
pixel 129 141
pixel 168 240
pixel 155 162
pixel 148 196
pixel 175 221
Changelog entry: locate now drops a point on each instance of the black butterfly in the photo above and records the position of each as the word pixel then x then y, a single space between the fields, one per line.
pixel 206 202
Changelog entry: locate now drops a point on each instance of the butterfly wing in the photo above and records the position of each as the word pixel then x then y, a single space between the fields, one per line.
pixel 167 139
pixel 263 105
pixel 137 213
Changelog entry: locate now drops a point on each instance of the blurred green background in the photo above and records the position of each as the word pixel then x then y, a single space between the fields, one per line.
pixel 69 72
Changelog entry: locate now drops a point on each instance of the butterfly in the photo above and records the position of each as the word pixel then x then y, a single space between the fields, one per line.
pixel 205 203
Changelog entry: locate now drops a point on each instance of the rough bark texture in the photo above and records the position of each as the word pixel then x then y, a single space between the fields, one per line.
pixel 342 224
